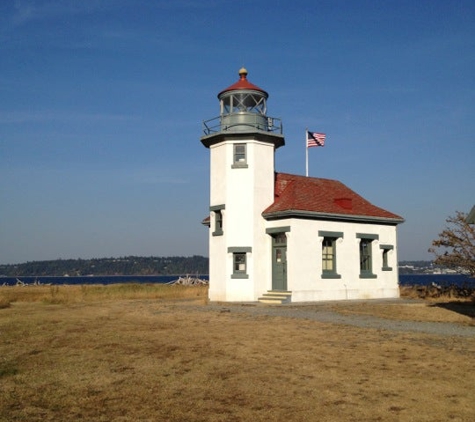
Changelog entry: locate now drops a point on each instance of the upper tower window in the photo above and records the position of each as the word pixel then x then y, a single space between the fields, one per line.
pixel 239 156
pixel 240 153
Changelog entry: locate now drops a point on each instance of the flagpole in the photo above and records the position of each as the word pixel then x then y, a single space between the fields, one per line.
pixel 306 153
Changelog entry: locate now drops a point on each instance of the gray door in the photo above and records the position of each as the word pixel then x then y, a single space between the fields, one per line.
pixel 279 262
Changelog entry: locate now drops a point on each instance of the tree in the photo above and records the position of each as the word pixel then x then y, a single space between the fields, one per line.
pixel 455 247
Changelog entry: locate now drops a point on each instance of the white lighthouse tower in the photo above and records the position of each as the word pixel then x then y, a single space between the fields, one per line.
pixel 242 141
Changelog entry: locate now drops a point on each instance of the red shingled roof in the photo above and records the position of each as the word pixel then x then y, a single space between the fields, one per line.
pixel 330 198
pixel 242 83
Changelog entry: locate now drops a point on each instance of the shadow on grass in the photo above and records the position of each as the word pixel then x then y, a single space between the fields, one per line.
pixel 462 308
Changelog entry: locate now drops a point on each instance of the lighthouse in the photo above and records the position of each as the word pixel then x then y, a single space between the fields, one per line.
pixel 278 237
pixel 242 141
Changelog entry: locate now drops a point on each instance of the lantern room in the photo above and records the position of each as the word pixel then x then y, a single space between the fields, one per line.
pixel 243 97
pixel 243 109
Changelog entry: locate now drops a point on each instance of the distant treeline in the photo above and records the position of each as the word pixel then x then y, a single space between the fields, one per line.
pixel 130 265
pixel 134 265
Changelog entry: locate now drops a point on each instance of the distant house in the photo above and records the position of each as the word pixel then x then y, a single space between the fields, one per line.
pixel 471 216
pixel 278 237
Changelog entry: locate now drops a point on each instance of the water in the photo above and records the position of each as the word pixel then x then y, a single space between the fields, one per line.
pixel 458 280
pixel 404 279
pixel 114 279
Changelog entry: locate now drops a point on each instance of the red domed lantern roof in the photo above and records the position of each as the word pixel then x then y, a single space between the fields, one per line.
pixel 243 83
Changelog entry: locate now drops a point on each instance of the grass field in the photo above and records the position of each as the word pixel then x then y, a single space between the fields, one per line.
pixel 160 353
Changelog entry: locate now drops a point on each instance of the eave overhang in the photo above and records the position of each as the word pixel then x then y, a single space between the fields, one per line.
pixel 314 215
pixel 246 90
pixel 258 135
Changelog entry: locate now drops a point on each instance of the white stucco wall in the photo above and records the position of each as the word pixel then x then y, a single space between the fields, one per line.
pixel 304 261
pixel 217 244
pixel 245 193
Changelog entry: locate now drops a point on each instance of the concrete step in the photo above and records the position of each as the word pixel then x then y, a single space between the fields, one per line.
pixel 276 297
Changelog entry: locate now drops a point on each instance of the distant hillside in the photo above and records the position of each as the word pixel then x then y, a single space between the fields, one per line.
pixel 137 265
pixel 130 265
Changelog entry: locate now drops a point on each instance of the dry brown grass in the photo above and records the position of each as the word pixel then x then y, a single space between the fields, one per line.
pixel 140 359
pixel 431 293
pixel 455 311
pixel 67 294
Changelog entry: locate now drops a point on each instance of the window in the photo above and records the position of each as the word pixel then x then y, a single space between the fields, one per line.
pixel 366 255
pixel 218 222
pixel 329 253
pixel 386 249
pixel 280 238
pixel 218 219
pixel 239 261
pixel 239 159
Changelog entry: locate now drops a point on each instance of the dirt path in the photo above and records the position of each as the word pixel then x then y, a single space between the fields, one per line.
pixel 318 312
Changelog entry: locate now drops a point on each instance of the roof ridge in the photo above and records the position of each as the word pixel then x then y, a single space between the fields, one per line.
pixel 310 178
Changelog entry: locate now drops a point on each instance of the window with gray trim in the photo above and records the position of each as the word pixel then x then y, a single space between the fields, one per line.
pixel 218 219
pixel 385 251
pixel 218 223
pixel 329 253
pixel 239 261
pixel 366 254
pixel 239 156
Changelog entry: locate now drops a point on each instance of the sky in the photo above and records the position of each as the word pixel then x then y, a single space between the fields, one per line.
pixel 102 103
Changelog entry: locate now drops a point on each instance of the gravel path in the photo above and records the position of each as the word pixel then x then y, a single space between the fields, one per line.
pixel 314 313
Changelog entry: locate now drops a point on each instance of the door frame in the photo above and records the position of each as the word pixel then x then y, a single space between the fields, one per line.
pixel 274 232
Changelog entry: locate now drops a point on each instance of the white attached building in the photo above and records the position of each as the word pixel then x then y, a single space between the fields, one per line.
pixel 283 237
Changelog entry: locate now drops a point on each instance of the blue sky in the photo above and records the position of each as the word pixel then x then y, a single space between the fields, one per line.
pixel 101 104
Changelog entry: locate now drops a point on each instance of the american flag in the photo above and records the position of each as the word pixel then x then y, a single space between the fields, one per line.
pixel 315 139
